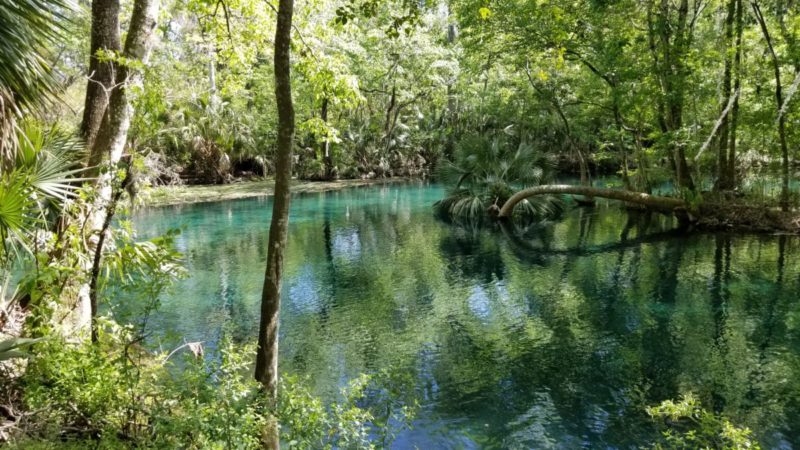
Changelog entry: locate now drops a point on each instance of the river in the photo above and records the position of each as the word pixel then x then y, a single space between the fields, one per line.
pixel 556 336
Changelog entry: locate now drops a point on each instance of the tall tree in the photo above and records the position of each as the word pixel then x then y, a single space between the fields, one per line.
pixel 670 37
pixel 105 41
pixel 267 354
pixel 737 84
pixel 776 66
pixel 723 182
pixel 109 145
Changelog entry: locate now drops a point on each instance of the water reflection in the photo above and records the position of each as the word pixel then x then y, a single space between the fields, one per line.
pixel 554 335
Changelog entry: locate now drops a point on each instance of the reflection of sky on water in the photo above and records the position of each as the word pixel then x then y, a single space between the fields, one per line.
pixel 479 302
pixel 347 244
pixel 304 292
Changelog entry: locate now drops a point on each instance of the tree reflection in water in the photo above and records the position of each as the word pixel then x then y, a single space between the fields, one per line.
pixel 558 334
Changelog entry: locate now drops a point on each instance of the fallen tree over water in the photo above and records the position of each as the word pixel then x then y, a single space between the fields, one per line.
pixel 713 213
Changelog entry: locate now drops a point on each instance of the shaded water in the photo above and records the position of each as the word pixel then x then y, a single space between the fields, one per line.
pixel 556 336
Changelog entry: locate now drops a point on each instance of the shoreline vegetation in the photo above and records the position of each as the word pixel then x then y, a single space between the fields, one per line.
pixel 741 217
pixel 202 193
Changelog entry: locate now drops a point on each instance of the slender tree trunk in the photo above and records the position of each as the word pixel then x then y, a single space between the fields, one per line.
pixel 388 122
pixel 327 158
pixel 776 65
pixel 678 76
pixel 267 354
pixel 722 148
pixel 737 84
pixel 98 253
pixel 641 161
pixel 213 97
pixel 388 126
pixel 669 44
pixel 110 144
pixel 452 100
pixel 582 163
pixel 106 38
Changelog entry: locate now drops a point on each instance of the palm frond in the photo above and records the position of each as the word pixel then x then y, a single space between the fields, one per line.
pixel 28 28
pixel 44 175
pixel 15 348
pixel 51 159
pixel 487 170
pixel 16 219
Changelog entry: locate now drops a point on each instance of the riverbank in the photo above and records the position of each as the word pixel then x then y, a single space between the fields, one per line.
pixel 184 194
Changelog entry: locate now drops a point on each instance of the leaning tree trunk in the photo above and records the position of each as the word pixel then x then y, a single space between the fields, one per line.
pixel 779 100
pixel 105 38
pixel 663 204
pixel 108 147
pixel 267 354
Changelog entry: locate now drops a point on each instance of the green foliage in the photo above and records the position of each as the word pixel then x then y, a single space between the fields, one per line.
pixel 124 397
pixel 486 172
pixel 43 176
pixel 689 426
pixel 15 348
pixel 28 29
pixel 119 396
pixel 307 423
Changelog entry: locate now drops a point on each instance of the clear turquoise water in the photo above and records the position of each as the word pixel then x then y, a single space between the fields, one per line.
pixel 553 337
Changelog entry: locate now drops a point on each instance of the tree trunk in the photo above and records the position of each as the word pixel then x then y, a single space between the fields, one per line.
pixel 737 84
pixel 327 158
pixel 664 204
pixel 213 98
pixel 388 122
pixel 784 201
pixel 105 37
pixel 267 354
pixel 669 44
pixel 110 143
pixel 722 148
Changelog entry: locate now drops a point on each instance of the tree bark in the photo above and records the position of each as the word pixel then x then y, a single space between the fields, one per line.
pixel 669 44
pixel 110 143
pixel 582 163
pixel 663 204
pixel 737 84
pixel 327 158
pixel 105 37
pixel 776 65
pixel 722 143
pixel 266 371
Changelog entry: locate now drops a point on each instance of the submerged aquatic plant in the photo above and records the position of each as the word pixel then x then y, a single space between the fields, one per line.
pixel 485 172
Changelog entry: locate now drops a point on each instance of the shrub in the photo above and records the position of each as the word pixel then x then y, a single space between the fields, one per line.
pixel 688 426
pixel 116 395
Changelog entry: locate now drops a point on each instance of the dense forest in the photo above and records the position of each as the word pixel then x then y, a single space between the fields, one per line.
pixel 456 205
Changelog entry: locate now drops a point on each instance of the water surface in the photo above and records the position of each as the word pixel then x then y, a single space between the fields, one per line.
pixel 552 337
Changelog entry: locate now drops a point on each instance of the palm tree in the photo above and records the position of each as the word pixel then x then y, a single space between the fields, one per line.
pixel 485 172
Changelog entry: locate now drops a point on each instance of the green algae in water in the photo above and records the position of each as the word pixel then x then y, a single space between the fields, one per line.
pixel 558 336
